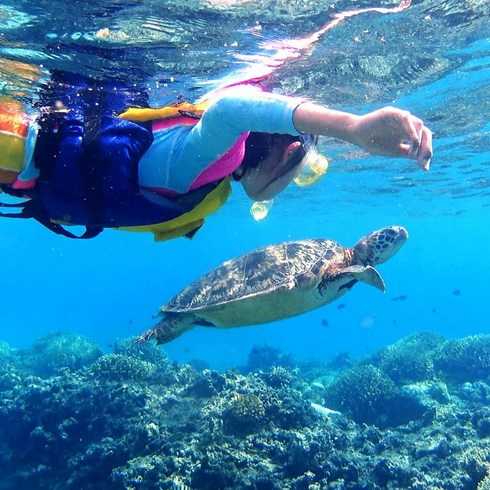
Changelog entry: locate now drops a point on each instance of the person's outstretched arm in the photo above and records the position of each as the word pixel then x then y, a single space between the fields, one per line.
pixel 387 131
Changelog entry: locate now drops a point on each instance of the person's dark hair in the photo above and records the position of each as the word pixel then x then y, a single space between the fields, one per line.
pixel 258 147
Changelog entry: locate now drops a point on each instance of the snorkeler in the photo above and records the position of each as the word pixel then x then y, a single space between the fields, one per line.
pixel 97 156
pixel 89 161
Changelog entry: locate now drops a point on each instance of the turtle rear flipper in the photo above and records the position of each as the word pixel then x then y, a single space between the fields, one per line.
pixel 366 274
pixel 169 328
pixel 147 335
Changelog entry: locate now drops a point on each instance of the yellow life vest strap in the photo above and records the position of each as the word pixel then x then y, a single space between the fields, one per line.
pixel 188 223
pixel 178 109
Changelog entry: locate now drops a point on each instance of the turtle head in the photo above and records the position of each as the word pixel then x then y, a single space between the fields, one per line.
pixel 379 246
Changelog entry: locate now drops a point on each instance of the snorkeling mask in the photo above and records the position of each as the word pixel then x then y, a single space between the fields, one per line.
pixel 311 164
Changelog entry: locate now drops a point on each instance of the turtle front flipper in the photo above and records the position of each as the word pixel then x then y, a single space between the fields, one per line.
pixel 169 328
pixel 366 274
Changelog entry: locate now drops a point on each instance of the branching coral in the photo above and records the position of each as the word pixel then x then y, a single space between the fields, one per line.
pixel 466 359
pixel 117 367
pixel 363 392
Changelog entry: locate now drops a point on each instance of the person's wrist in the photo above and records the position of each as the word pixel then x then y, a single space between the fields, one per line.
pixel 351 128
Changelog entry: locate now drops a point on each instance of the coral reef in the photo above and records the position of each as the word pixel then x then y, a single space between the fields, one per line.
pixel 411 358
pixel 118 367
pixel 365 393
pixel 485 483
pixel 245 413
pixel 147 351
pixel 266 356
pixel 60 350
pixel 466 359
pixel 402 418
pixel 5 352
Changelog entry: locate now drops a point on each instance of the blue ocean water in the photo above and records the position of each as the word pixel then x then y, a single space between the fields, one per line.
pixel 432 59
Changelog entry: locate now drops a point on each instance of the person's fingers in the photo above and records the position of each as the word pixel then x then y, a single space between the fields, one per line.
pixel 413 126
pixel 418 143
pixel 403 150
pixel 424 153
pixel 405 136
pixel 410 129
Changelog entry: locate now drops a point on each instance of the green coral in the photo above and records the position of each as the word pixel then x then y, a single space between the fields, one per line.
pixel 476 462
pixel 5 351
pixel 246 404
pixel 409 359
pixel 466 359
pixel 278 377
pixel 484 484
pixel 60 350
pixel 117 367
pixel 152 471
pixel 364 392
pixel 148 351
pixel 245 412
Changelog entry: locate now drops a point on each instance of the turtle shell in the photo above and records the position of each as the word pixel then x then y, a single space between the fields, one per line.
pixel 260 272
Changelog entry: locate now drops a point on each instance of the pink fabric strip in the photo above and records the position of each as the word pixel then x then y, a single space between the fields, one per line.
pixel 24 184
pixel 225 165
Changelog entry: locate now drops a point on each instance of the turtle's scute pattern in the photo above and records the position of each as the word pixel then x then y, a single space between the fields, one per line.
pixel 261 271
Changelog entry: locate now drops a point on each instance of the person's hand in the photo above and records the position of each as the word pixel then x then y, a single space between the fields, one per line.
pixel 394 133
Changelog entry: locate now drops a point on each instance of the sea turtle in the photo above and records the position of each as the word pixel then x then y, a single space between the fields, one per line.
pixel 276 282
